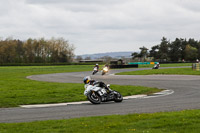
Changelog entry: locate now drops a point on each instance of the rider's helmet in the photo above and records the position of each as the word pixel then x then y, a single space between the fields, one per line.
pixel 97 64
pixel 86 79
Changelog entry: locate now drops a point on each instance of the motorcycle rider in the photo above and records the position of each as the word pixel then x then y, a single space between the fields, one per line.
pixel 105 69
pixel 156 66
pixel 95 69
pixel 88 81
pixel 106 65
pixel 97 66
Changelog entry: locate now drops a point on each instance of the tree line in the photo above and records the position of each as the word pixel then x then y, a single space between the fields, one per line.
pixel 178 50
pixel 54 50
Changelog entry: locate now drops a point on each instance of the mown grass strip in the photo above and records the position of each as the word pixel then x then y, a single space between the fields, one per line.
pixel 187 121
pixel 17 90
pixel 177 71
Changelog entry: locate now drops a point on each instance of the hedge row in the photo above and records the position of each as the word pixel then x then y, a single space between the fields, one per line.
pixel 45 64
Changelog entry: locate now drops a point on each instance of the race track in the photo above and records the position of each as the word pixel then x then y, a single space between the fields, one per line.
pixel 186 96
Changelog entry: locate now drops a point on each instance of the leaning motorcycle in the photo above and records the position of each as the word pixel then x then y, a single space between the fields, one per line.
pixel 104 71
pixel 156 66
pixel 95 71
pixel 96 94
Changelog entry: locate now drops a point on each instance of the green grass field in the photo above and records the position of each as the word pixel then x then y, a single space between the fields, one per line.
pixel 165 122
pixel 179 71
pixel 17 90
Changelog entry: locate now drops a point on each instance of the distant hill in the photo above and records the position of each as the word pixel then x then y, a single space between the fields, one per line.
pixel 111 54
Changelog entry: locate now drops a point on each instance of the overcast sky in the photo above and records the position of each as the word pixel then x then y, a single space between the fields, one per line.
pixel 97 26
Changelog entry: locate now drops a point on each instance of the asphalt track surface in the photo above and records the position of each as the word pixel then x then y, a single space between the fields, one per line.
pixel 186 96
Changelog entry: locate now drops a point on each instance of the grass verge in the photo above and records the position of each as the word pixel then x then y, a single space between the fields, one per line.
pixel 186 121
pixel 17 90
pixel 179 71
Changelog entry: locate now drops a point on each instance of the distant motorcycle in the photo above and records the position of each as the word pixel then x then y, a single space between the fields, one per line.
pixel 105 70
pixel 101 92
pixel 156 66
pixel 95 70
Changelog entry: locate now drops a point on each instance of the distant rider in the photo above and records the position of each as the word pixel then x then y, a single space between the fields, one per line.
pixel 97 66
pixel 106 65
pixel 158 65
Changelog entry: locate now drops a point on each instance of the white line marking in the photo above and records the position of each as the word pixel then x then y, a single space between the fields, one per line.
pixel 52 105
pixel 134 96
pixel 159 94
pixel 162 93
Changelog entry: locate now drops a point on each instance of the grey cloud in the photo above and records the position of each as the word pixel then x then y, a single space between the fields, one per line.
pixel 189 5
pixel 74 1
pixel 114 24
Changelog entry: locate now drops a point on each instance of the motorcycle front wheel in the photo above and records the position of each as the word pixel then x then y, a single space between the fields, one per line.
pixel 94 98
pixel 118 97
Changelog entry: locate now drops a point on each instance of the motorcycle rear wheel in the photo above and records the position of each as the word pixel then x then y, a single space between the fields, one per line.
pixel 94 98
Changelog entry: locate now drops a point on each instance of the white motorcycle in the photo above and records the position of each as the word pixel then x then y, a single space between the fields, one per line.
pixel 101 92
pixel 95 70
pixel 156 66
